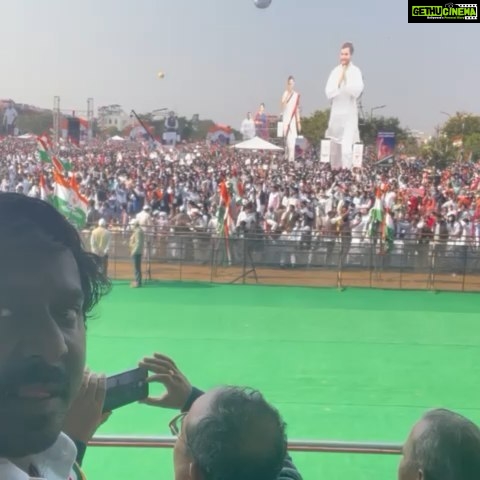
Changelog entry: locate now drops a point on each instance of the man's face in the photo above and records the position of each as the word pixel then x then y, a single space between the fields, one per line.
pixel 42 347
pixel 345 56
pixel 407 469
pixel 184 466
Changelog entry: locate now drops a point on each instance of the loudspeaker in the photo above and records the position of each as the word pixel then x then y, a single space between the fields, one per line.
pixel 74 130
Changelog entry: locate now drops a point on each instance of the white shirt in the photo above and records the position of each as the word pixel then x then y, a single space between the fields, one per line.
pixel 55 463
pixel 10 115
pixel 343 123
pixel 248 129
pixel 144 220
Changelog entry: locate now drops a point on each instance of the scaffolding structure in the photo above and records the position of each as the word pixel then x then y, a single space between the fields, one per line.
pixel 56 120
pixel 57 115
pixel 90 115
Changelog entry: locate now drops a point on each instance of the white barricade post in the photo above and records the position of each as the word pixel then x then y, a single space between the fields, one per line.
pixel 336 155
pixel 357 155
pixel 325 151
pixel 280 130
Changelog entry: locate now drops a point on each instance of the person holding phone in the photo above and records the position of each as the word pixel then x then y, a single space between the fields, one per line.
pixel 48 286
pixel 228 429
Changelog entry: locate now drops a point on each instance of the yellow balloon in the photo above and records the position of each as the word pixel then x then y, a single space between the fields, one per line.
pixel 161 75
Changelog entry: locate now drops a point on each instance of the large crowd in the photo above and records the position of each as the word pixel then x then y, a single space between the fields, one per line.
pixel 50 405
pixel 177 189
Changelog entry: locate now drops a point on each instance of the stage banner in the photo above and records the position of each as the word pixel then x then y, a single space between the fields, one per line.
pixel 357 155
pixel 325 151
pixel 385 144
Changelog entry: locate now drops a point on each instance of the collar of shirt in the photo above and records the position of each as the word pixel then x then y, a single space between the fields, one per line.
pixel 55 463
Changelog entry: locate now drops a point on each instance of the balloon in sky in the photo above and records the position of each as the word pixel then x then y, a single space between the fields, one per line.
pixel 161 75
pixel 262 3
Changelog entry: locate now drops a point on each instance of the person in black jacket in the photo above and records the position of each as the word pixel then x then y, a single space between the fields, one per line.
pixel 230 433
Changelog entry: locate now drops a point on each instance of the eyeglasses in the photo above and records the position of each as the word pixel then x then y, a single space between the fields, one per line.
pixel 176 423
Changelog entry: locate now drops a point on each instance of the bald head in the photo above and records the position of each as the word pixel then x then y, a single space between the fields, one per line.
pixel 443 445
pixel 232 433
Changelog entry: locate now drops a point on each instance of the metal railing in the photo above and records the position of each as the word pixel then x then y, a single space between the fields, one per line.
pixel 308 258
pixel 293 445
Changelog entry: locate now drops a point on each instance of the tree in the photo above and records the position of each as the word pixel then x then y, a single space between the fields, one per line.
pixel 112 131
pixel 314 126
pixel 35 122
pixel 472 146
pixel 439 151
pixel 370 127
pixel 461 125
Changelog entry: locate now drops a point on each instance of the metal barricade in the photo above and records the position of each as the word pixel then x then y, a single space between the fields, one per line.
pixel 301 258
pixel 293 445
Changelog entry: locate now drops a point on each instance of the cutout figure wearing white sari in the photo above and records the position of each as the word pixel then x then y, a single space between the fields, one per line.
pixel 344 87
pixel 291 118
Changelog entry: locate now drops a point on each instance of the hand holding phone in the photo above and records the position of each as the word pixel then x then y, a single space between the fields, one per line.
pixel 165 371
pixel 125 388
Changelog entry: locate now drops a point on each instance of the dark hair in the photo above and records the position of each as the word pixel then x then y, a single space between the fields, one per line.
pixel 348 45
pixel 37 224
pixel 291 77
pixel 242 438
pixel 449 447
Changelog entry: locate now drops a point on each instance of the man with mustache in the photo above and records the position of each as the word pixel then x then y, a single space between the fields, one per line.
pixel 48 286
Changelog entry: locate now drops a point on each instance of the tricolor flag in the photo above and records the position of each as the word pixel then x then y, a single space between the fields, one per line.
pixel 44 148
pixel 376 214
pixel 45 193
pixel 389 232
pixel 225 220
pixel 68 200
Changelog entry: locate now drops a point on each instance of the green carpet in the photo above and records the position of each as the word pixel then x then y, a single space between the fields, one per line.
pixel 354 365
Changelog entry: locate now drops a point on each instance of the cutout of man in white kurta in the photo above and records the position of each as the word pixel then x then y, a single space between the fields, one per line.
pixel 291 118
pixel 344 87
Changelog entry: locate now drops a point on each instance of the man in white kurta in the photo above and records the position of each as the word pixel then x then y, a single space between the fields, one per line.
pixel 344 87
pixel 291 118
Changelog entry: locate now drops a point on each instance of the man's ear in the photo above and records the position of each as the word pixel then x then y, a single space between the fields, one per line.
pixel 194 472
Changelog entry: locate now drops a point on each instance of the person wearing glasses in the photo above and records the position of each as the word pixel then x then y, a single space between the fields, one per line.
pixel 227 432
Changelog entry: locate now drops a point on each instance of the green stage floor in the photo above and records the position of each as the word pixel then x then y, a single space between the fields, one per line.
pixel 353 365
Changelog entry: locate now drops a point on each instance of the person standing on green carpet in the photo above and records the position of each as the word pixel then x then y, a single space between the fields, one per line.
pixel 137 241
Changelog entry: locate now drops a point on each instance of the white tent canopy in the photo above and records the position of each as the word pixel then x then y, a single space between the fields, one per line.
pixel 256 143
pixel 117 138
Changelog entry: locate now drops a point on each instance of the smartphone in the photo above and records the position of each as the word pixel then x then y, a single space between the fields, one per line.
pixel 125 388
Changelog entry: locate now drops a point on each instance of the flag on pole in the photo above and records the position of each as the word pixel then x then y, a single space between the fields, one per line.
pixel 68 200
pixel 225 217
pixel 44 149
pixel 376 214
pixel 45 193
pixel 389 232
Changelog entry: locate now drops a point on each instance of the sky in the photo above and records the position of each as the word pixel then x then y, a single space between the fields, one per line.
pixel 222 58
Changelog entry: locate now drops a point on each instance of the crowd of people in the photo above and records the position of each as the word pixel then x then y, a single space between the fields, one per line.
pixel 302 203
pixel 50 406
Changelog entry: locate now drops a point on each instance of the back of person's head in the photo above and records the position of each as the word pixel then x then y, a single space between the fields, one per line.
pixel 241 437
pixel 443 445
